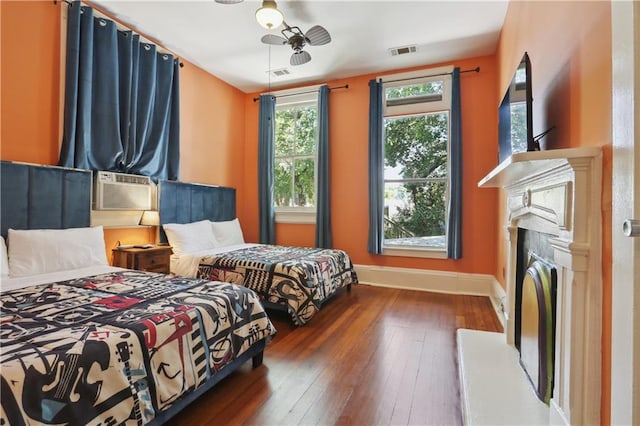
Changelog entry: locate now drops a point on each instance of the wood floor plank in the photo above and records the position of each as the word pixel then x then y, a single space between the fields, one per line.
pixel 431 404
pixel 372 356
pixel 404 399
pixel 378 382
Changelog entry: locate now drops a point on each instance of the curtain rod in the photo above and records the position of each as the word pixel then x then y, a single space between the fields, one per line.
pixel 100 14
pixel 476 69
pixel 346 86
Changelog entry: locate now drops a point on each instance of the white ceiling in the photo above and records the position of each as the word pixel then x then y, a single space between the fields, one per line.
pixel 225 39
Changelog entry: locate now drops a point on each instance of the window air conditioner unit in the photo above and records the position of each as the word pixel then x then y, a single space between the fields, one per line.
pixel 119 191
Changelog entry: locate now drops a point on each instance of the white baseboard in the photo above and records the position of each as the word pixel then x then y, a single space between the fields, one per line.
pixel 435 281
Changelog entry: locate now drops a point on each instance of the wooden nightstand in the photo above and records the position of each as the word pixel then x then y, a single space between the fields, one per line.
pixel 155 259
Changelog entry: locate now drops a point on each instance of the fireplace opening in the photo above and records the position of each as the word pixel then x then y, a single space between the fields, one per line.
pixel 536 310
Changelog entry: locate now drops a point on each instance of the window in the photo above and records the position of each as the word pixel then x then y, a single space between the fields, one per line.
pixel 295 157
pixel 416 164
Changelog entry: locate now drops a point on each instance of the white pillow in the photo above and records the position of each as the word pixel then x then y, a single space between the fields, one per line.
pixel 228 233
pixel 4 261
pixel 186 238
pixel 39 251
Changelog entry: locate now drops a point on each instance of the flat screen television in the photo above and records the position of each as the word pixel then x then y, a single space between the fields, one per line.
pixel 515 122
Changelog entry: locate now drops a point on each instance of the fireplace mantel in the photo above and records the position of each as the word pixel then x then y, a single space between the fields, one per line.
pixel 557 192
pixel 534 165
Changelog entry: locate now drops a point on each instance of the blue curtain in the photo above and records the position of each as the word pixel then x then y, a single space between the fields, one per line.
pixel 121 108
pixel 376 161
pixel 324 237
pixel 454 231
pixel 266 150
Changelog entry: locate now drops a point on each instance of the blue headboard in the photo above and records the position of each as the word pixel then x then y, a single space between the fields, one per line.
pixel 43 197
pixel 181 202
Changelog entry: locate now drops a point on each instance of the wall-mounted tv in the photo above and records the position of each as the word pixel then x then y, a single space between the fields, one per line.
pixel 515 122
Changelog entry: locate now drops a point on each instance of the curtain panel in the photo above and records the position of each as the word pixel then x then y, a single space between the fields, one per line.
pixel 376 171
pixel 324 238
pixel 266 158
pixel 121 101
pixel 454 231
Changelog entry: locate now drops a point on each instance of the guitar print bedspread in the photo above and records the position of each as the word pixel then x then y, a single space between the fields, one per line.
pixel 299 278
pixel 118 348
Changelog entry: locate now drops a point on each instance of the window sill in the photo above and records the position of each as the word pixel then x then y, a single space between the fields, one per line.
pixel 429 253
pixel 296 216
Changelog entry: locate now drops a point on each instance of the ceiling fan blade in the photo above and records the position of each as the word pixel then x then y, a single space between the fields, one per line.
pixel 273 39
pixel 300 57
pixel 317 36
pixel 229 1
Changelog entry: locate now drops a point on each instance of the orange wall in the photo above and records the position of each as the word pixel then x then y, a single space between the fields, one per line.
pixel 569 44
pixel 211 111
pixel 211 129
pixel 30 50
pixel 349 115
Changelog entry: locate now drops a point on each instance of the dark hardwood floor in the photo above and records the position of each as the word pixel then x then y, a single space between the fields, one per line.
pixel 372 356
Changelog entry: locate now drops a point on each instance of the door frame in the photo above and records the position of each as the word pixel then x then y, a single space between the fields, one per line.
pixel 625 322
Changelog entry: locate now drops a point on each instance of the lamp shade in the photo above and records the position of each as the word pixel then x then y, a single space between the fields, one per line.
pixel 150 218
pixel 268 15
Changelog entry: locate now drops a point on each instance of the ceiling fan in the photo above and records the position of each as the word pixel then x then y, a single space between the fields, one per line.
pixel 294 37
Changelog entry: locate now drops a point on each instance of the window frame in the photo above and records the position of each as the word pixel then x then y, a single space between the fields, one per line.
pixel 289 98
pixel 414 109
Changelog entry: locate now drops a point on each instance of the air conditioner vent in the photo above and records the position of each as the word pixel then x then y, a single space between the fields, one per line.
pixel 395 51
pixel 280 72
pixel 119 191
pixel 142 180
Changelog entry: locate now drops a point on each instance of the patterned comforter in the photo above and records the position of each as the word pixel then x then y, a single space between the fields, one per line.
pixel 298 278
pixel 118 348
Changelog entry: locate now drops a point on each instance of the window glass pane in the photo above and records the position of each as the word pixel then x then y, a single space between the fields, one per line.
pixel 414 214
pixel 294 171
pixel 416 146
pixel 305 141
pixel 304 182
pixel 296 130
pixel 285 131
pixel 283 183
pixel 423 92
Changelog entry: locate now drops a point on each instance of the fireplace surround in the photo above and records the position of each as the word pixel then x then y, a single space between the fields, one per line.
pixel 557 193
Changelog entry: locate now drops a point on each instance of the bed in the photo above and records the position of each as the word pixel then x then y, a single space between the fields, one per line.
pixel 85 343
pixel 200 223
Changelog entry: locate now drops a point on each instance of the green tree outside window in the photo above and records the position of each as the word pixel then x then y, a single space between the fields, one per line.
pixel 295 154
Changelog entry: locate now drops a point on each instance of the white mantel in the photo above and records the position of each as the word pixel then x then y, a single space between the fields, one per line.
pixel 557 192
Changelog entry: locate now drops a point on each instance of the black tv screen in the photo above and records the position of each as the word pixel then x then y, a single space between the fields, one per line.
pixel 515 122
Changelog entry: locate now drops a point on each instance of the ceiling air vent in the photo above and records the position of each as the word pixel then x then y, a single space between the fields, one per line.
pixel 395 51
pixel 280 72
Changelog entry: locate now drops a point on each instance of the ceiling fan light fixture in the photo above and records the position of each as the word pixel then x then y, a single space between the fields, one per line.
pixel 268 16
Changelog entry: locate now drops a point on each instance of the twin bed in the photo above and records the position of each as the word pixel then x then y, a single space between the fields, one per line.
pixel 82 342
pixel 199 221
pixel 122 346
